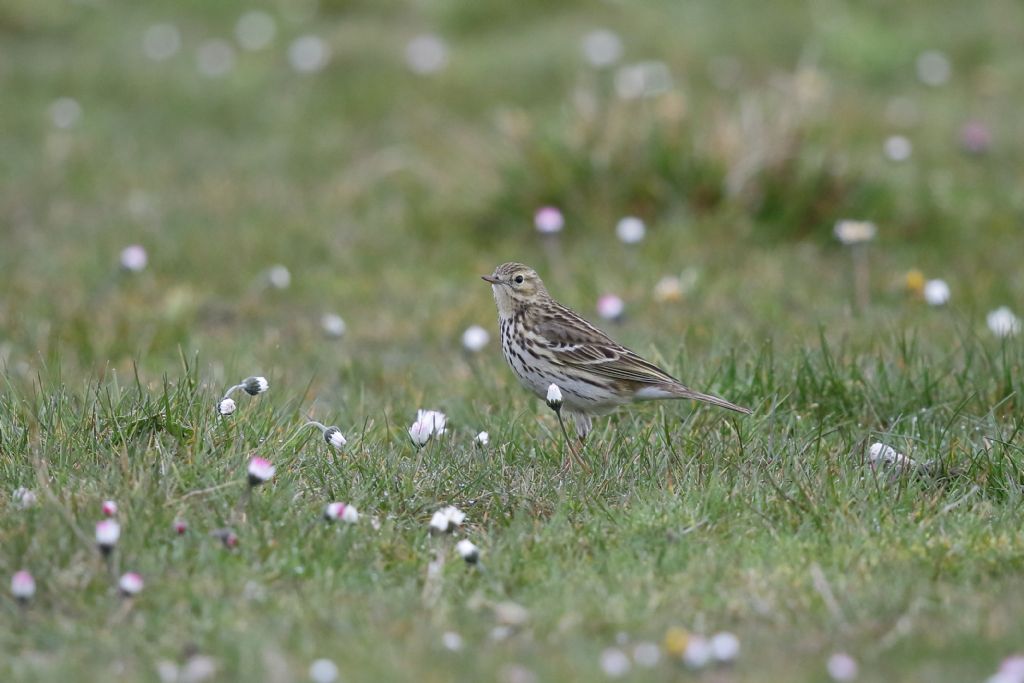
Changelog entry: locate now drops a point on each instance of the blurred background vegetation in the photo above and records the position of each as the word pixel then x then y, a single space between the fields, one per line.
pixel 310 137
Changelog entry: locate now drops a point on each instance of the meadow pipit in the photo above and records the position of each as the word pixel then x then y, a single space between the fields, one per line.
pixel 546 343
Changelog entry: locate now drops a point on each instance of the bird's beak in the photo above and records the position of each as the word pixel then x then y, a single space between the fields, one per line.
pixel 490 278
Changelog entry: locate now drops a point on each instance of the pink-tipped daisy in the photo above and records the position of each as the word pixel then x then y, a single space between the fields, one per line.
pixel 260 470
pixel 548 220
pixel 130 584
pixel 610 307
pixel 341 512
pixel 109 508
pixel 108 531
pixel 227 536
pixel 23 586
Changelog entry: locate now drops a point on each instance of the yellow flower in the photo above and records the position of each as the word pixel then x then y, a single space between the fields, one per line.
pixel 915 281
pixel 676 640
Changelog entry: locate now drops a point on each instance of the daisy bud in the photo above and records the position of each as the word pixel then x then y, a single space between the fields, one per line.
pixel 23 586
pixel 107 533
pixel 482 439
pixel 227 536
pixel 334 437
pixel 554 397
pixel 180 526
pixel 255 385
pixel 24 498
pixel 420 433
pixel 455 516
pixel 109 508
pixel 475 338
pixel 439 523
pixel 130 584
pixel 468 551
pixel 260 470
pixel 725 647
pixel 226 406
pixel 434 419
pixel 339 511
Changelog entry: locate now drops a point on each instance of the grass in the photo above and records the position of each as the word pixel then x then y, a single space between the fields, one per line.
pixel 386 194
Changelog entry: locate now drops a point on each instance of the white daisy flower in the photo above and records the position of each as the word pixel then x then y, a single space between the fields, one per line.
pixel 614 662
pixel 260 470
pixel 855 232
pixel 1003 322
pixel 936 292
pixel 842 667
pixel 426 54
pixel 630 230
pixel 725 647
pixel 475 338
pixel 134 258
pixel 602 48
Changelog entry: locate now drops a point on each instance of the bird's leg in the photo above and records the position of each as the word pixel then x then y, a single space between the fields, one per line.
pixel 582 429
pixel 570 446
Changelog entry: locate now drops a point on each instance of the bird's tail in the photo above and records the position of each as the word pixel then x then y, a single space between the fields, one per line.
pixel 685 392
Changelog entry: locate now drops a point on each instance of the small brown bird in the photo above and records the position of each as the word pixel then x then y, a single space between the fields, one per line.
pixel 545 343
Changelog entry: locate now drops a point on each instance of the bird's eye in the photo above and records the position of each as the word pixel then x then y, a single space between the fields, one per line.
pixel 519 279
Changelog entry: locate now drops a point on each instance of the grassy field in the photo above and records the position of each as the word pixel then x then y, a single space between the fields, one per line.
pixel 385 189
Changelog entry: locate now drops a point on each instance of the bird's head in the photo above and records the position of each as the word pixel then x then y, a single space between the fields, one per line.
pixel 515 285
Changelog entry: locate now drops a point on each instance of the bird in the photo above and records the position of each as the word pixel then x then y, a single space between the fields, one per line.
pixel 547 343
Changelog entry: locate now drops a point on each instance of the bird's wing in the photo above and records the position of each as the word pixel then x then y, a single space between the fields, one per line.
pixel 573 341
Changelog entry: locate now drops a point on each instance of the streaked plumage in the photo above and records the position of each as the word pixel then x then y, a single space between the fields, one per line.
pixel 545 342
